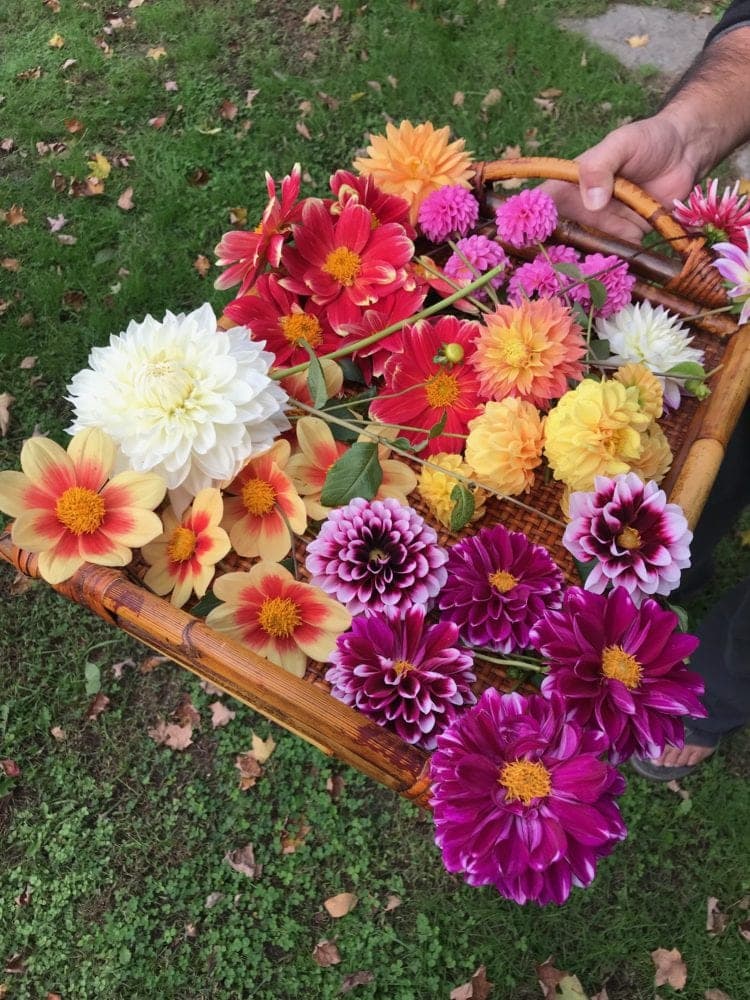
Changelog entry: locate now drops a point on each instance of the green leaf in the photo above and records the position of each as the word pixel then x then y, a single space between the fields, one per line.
pixel 345 434
pixel 93 676
pixel 403 443
pixel 316 382
pixel 356 474
pixel 687 369
pixel 437 429
pixel 599 349
pixel 207 603
pixel 463 506
pixel 584 568
pixel 352 371
pixel 598 292
pixel 683 623
pixel 571 270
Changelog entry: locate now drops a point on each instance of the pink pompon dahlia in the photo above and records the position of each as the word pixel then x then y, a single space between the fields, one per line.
pixel 343 263
pixel 639 541
pixel 375 554
pixel 499 585
pixel 384 208
pixel 404 673
pixel 620 668
pixel 526 218
pixel 247 253
pixel 734 267
pixel 475 256
pixel 718 220
pixel 449 211
pixel 538 279
pixel 522 800
pixel 616 278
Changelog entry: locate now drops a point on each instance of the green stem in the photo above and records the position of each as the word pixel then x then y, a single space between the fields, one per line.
pixel 476 272
pixel 510 662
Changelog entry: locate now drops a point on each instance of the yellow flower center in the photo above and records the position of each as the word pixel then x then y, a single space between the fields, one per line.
pixel 343 265
pixel 416 168
pixel 629 538
pixel 516 353
pixel 525 780
pixel 442 389
pixel 258 496
pixel 301 326
pixel 402 667
pixel 279 617
pixel 81 510
pixel 621 666
pixel 181 545
pixel 502 581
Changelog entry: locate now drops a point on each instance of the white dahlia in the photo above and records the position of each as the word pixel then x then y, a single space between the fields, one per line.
pixel 653 336
pixel 181 399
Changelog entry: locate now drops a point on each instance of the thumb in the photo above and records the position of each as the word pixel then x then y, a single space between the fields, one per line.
pixel 598 166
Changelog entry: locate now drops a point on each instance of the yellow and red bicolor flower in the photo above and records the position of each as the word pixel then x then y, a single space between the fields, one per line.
pixel 183 558
pixel 68 509
pixel 278 617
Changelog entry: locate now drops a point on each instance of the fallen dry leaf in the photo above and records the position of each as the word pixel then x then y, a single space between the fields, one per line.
pixel 171 86
pixel 75 298
pixel 262 749
pixel 716 921
pixel 670 968
pixel 744 930
pixel 356 979
pixel 92 187
pixel 392 902
pixel 73 125
pixel 250 96
pixel 314 15
pixel 549 977
pixel 171 735
pixel 338 906
pixel 212 899
pixel 135 3
pixel 601 995
pixel 392 80
pixel 326 953
pixel 220 714
pixel 676 787
pixel 6 401
pixel 152 662
pixel 716 995
pixel 53 5
pixel 210 688
pixel 68 63
pixel 10 264
pixel 293 836
pixel 249 768
pixel 156 53
pixel 7 145
pixel 228 111
pixel 30 74
pixel 20 584
pixel 26 322
pixel 478 987
pixel 547 106
pixel 15 216
pixel 29 362
pixel 9 768
pixel 58 734
pixel 158 121
pixel 238 216
pixel 637 41
pixel 491 98
pixel 303 130
pixel 551 92
pixel 57 41
pixel 125 201
pixel 100 166
pixel 336 13
pixel 66 239
pixel 199 177
pixel 98 704
pixel 242 859
pixel 59 183
pixel 186 713
pixel 335 786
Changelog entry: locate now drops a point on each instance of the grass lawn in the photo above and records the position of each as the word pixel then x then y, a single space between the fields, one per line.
pixel 113 878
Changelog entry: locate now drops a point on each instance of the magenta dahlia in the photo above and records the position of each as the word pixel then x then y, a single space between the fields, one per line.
pixel 476 255
pixel 539 279
pixel 616 278
pixel 526 218
pixel 499 585
pixel 403 673
pixel 639 541
pixel 718 220
pixel 620 669
pixel 375 554
pixel 521 799
pixel 448 211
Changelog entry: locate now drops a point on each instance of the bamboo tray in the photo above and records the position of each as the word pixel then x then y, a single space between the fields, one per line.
pixel 698 434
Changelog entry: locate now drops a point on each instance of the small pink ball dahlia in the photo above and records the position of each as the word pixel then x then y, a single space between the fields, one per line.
pixel 482 254
pixel 449 210
pixel 403 673
pixel 526 218
pixel 639 541
pixel 718 220
pixel 539 279
pixel 616 278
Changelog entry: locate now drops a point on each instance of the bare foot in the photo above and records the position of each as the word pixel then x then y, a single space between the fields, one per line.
pixel 687 756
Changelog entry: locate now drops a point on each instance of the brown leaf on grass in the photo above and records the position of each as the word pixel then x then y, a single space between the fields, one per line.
pixel 305 108
pixel 10 264
pixel 186 713
pixel 392 80
pixel 15 966
pixel 676 787
pixel 117 668
pixel 30 74
pixel 6 401
pixel 28 362
pixel 20 584
pixel 158 121
pixel 15 216
pixel 744 930
pixel 171 735
pixel 98 704
pixel 122 159
pixel 75 299
pixel 478 987
pixel 125 201
pixel 68 63
pixel 238 216
pixel 53 5
pixel 716 921
pixel 58 734
pixel 59 182
pixel 670 968
pixel 303 130
pixel 375 85
pixel 66 239
pixel 156 53
pixel 743 183
pixel 73 125
pixel 262 749
pixel 250 96
pixel 601 995
pixel 135 3
pixel 7 145
pixel 335 786
pixel 391 903
pixel 326 953
pixel 57 41
pixel 45 148
pixel 332 103
pixel 551 92
pixel 152 662
pixel 228 111
pixel 314 15
pixel 547 106
pixel 491 98
pixel 4 306
pixel 638 41
pixel 361 978
pixel 210 688
pixel 458 99
pixel 549 977
pixel 91 187
pixel 249 768
pixel 220 714
pixel 716 995
pixel 294 834
pixel 242 859
pixel 24 896
pixel 212 899
pixel 338 906
pixel 171 86
pixel 9 768
pixel 336 13
pixel 199 177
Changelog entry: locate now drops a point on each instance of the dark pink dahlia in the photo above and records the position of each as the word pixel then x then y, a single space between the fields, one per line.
pixel 404 674
pixel 616 278
pixel 621 669
pixel 499 585
pixel 718 219
pixel 476 255
pixel 539 279
pixel 526 218
pixel 521 799
pixel 640 542
pixel 448 211
pixel 375 554
pixel 350 188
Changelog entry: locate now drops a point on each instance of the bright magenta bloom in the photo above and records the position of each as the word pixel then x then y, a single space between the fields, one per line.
pixel 448 211
pixel 526 218
pixel 718 220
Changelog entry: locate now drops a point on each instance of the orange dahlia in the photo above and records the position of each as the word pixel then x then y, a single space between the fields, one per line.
pixel 504 446
pixel 412 161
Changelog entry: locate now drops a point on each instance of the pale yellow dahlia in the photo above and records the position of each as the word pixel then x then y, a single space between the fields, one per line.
pixel 656 456
pixel 435 487
pixel 650 390
pixel 595 430
pixel 412 161
pixel 505 445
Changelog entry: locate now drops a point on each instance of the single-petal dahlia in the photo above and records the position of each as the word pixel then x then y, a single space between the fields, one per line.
pixel 475 256
pixel 734 267
pixel 538 279
pixel 411 161
pixel 277 616
pixel 504 446
pixel 405 674
pixel 420 391
pixel 247 254
pixel 297 387
pixel 620 668
pixel 347 187
pixel 449 211
pixel 183 559
pixel 718 220
pixel 374 554
pixel 435 487
pixel 614 274
pixel 392 309
pixel 68 510
pixel 529 351
pixel 639 541
pixel 521 799
pixel 499 584
pixel 526 218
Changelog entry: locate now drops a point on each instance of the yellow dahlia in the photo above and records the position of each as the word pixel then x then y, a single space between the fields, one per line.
pixel 595 430
pixel 412 161
pixel 656 456
pixel 435 487
pixel 650 390
pixel 505 445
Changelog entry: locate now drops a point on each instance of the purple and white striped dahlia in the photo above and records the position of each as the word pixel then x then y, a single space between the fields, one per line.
pixel 521 798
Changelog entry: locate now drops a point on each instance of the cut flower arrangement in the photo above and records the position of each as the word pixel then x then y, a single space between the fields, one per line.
pixel 340 469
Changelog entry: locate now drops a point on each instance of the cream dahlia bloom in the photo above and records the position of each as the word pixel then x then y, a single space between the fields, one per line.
pixel 182 400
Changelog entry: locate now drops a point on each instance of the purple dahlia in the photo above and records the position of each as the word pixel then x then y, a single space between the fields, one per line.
pixel 526 218
pixel 375 554
pixel 446 211
pixel 621 669
pixel 521 799
pixel 402 673
pixel 539 279
pixel 499 585
pixel 616 278
pixel 640 542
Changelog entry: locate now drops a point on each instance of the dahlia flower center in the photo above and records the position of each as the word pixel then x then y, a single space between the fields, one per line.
pixel 502 581
pixel 377 555
pixel 167 385
pixel 621 666
pixel 343 265
pixel 416 168
pixel 81 510
pixel 516 353
pixel 525 780
pixel 181 545
pixel 442 389
pixel 279 617
pixel 629 538
pixel 258 496
pixel 402 667
pixel 301 326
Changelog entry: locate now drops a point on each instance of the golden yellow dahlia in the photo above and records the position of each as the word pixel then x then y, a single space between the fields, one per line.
pixel 505 445
pixel 412 161
pixel 656 456
pixel 650 390
pixel 435 487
